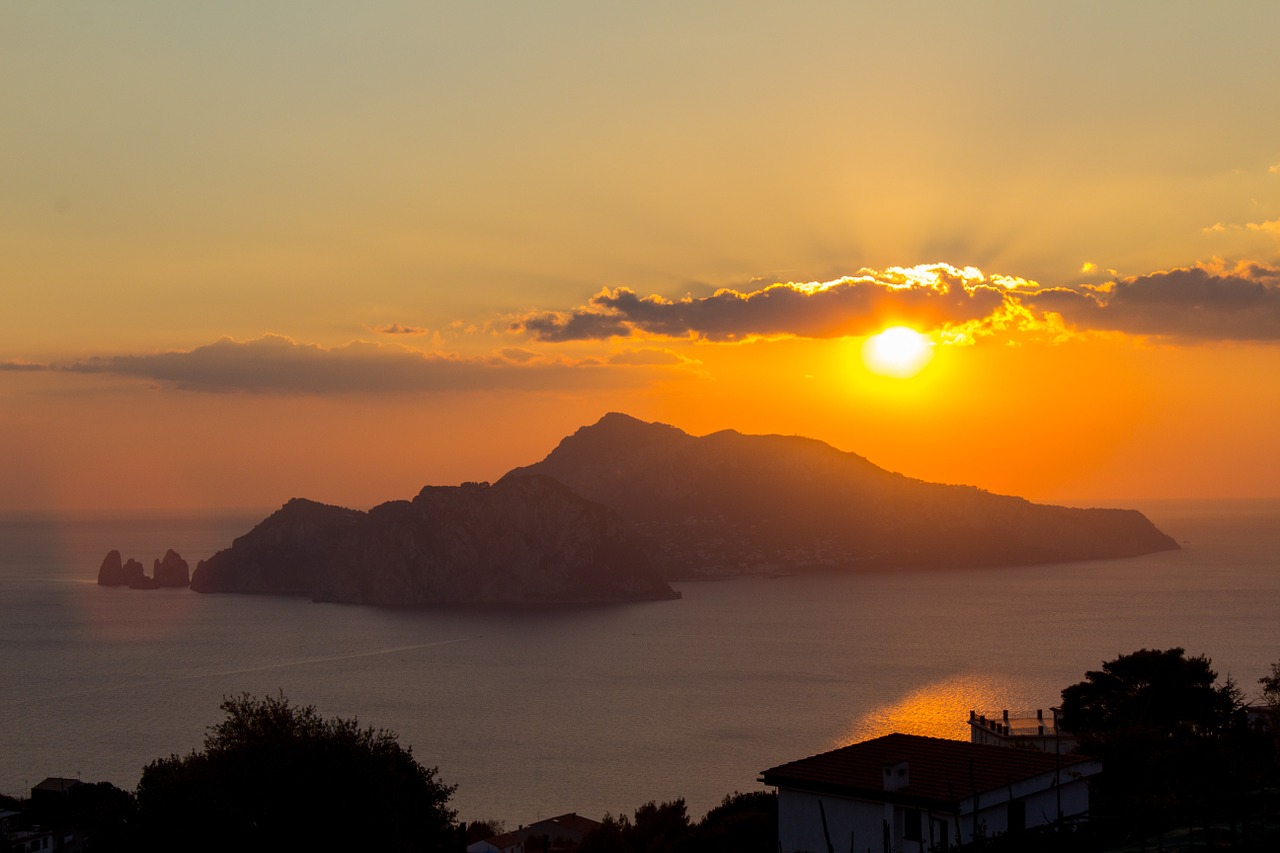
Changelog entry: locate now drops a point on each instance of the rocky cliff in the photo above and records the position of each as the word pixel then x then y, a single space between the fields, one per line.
pixel 727 503
pixel 523 540
pixel 113 572
pixel 172 570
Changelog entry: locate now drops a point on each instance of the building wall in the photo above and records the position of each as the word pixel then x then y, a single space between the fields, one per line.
pixel 1041 803
pixel 857 825
pixel 853 824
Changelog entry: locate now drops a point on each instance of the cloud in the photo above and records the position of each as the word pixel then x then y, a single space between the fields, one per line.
pixel 1198 303
pixel 928 295
pixel 519 355
pixel 1271 226
pixel 647 357
pixel 399 329
pixel 1206 302
pixel 580 325
pixel 275 364
pixel 21 366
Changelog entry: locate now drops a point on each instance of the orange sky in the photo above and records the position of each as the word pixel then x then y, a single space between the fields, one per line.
pixel 336 252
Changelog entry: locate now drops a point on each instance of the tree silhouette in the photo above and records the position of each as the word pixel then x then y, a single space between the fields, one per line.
pixel 273 775
pixel 1170 738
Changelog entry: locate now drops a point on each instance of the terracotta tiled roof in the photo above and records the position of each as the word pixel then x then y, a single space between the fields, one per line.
pixel 939 771
pixel 572 822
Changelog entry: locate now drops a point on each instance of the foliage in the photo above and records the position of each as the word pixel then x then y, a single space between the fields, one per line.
pixel 479 830
pixel 1147 690
pixel 1271 687
pixel 1172 740
pixel 105 813
pixel 742 823
pixel 276 775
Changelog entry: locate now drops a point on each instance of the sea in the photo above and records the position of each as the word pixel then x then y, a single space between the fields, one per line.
pixel 537 711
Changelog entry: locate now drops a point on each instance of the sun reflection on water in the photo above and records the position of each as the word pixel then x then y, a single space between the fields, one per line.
pixel 941 709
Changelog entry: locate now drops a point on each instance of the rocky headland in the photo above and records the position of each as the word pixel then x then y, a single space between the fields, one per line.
pixel 519 541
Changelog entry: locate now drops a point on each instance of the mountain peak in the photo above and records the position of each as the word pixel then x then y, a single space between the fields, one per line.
pixel 733 502
pixel 618 424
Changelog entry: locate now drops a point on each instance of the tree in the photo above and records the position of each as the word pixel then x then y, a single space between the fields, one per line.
pixel 105 814
pixel 659 828
pixel 273 775
pixel 1147 689
pixel 1271 687
pixel 742 823
pixel 1168 735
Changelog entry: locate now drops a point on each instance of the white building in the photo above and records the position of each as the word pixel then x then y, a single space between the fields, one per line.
pixel 910 794
pixel 1041 731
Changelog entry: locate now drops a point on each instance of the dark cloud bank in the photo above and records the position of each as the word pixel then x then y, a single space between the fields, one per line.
pixel 1194 304
pixel 1197 304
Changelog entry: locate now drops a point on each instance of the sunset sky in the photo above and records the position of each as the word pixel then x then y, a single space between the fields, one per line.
pixel 251 251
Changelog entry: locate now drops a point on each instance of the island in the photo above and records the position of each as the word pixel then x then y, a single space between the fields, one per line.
pixel 524 540
pixel 622 507
pixel 729 503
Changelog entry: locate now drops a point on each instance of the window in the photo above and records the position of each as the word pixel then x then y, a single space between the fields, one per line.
pixel 1017 815
pixel 912 829
pixel 939 835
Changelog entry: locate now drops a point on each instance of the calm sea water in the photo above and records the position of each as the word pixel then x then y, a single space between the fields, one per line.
pixel 534 712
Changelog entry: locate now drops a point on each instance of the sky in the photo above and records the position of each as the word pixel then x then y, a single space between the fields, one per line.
pixel 340 251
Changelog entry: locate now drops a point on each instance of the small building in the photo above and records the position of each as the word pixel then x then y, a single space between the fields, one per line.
pixel 53 788
pixel 562 833
pixel 1039 731
pixel 507 842
pixel 914 794
pixel 33 841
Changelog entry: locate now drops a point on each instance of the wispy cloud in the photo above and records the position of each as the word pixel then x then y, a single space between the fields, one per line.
pixel 400 329
pixel 648 357
pixel 275 364
pixel 1271 226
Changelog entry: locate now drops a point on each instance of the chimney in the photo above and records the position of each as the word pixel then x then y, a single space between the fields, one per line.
pixel 1006 716
pixel 896 776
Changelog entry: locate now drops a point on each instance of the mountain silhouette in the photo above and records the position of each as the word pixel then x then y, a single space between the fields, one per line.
pixel 729 503
pixel 526 540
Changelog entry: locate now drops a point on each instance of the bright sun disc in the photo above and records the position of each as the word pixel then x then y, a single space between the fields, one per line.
pixel 898 351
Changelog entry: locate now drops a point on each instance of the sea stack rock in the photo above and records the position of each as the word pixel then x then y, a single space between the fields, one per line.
pixel 136 576
pixel 113 573
pixel 172 570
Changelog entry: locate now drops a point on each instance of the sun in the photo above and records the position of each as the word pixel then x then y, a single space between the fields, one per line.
pixel 898 351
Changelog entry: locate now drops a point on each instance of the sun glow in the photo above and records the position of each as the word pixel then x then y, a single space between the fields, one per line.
pixel 898 351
